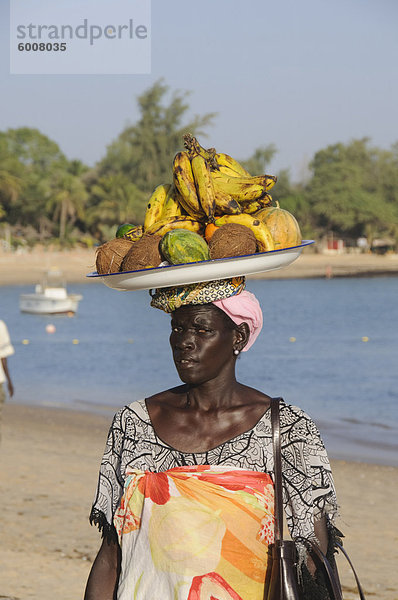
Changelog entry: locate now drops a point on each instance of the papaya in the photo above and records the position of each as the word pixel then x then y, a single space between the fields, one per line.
pixel 180 246
pixel 285 230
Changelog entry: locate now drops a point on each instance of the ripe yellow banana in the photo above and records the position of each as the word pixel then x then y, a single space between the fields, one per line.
pixel 265 243
pixel 165 225
pixel 155 205
pixel 251 207
pixel 172 205
pixel 243 189
pixel 255 205
pixel 134 234
pixel 231 166
pixel 226 205
pixel 193 148
pixel 204 186
pixel 185 183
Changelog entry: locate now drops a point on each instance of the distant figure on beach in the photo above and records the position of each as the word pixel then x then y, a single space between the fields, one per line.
pixel 6 350
pixel 185 497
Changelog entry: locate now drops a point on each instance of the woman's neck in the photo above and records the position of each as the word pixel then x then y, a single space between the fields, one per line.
pixel 213 395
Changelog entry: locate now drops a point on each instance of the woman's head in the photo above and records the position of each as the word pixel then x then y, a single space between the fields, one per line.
pixel 205 342
pixel 218 317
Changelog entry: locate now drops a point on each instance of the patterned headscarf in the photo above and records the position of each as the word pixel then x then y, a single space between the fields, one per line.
pixel 228 295
pixel 171 298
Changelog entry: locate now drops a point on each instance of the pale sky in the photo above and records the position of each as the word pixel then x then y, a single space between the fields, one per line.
pixel 300 74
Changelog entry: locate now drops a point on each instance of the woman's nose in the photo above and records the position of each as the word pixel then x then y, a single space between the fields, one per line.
pixel 185 340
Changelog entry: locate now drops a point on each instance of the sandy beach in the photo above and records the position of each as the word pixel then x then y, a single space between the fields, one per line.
pixel 49 466
pixel 50 458
pixel 28 267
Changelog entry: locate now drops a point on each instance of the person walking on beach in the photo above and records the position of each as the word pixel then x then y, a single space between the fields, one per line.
pixel 185 495
pixel 6 349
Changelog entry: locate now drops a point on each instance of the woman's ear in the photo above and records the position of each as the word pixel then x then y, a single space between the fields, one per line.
pixel 242 334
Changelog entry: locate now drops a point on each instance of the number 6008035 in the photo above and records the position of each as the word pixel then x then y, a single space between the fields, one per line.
pixel 42 47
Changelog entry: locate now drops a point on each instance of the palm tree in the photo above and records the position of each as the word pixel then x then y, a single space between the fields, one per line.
pixel 67 200
pixel 114 199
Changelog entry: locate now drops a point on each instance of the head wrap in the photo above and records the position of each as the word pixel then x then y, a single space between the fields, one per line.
pixel 244 308
pixel 171 298
pixel 228 295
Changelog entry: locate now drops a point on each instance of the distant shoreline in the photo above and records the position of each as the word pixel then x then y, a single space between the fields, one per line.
pixel 28 268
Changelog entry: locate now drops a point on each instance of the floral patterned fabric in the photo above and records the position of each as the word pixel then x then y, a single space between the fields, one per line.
pixel 194 533
pixel 308 483
pixel 142 477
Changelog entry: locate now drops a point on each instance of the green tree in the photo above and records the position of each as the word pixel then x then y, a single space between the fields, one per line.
pixel 114 200
pixel 353 190
pixel 32 159
pixel 66 200
pixel 144 151
pixel 10 180
pixel 39 188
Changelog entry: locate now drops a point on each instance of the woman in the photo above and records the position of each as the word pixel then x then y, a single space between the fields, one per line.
pixel 185 494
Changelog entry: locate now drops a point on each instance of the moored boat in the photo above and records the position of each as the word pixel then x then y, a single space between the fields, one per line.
pixel 50 297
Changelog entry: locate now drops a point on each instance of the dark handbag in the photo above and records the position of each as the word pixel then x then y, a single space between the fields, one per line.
pixel 281 576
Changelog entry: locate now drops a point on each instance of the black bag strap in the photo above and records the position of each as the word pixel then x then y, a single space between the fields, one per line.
pixel 276 446
pixel 316 552
pixel 360 590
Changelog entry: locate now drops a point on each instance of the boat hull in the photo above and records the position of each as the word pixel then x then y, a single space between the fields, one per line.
pixel 39 304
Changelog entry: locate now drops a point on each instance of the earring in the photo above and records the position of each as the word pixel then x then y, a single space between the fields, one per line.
pixel 236 352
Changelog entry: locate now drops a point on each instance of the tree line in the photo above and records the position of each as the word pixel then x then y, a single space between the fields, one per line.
pixel 351 190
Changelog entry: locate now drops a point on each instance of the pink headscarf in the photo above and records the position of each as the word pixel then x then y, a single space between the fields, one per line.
pixel 243 308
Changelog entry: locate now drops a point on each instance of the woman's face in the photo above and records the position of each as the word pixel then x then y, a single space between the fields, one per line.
pixel 202 343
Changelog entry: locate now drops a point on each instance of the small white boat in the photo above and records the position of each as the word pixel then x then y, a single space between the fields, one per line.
pixel 50 297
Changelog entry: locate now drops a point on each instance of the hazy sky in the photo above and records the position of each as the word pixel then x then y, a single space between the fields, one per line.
pixel 300 74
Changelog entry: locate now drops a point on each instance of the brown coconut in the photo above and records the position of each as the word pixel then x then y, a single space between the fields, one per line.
pixel 144 254
pixel 110 255
pixel 232 239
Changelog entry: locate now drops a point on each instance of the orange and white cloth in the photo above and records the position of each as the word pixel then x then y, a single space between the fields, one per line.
pixel 195 533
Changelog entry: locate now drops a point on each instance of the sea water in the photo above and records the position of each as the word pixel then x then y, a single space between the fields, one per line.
pixel 329 346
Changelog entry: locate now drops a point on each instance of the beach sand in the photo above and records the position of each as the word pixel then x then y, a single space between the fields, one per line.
pixel 49 465
pixel 28 267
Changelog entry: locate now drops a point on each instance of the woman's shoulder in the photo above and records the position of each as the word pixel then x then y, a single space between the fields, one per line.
pixel 294 417
pixel 134 412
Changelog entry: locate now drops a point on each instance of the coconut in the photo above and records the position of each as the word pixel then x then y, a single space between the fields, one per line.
pixel 144 254
pixel 110 255
pixel 232 239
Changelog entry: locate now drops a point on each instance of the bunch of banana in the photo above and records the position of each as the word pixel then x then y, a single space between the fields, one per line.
pixel 209 187
pixel 172 206
pixel 155 205
pixel 182 222
pixel 185 183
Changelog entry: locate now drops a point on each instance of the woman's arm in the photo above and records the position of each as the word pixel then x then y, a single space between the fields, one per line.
pixel 8 376
pixel 321 533
pixel 104 574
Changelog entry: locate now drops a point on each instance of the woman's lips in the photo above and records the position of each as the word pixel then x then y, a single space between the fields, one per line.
pixel 185 362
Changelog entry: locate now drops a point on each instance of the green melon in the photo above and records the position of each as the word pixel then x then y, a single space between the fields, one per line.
pixel 180 246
